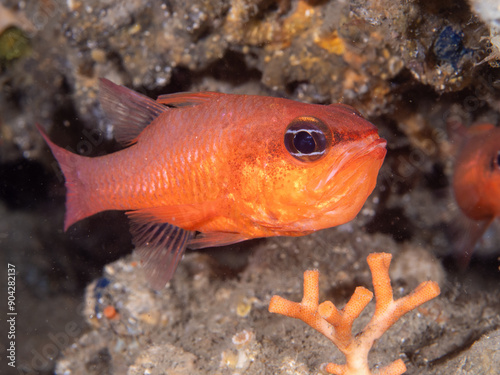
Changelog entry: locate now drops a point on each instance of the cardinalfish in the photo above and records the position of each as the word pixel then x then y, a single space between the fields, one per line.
pixel 476 183
pixel 210 169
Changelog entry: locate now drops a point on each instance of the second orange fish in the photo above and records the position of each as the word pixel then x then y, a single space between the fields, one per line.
pixel 232 167
pixel 476 184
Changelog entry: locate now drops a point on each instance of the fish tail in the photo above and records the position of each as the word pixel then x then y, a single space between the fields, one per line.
pixel 77 207
pixel 464 233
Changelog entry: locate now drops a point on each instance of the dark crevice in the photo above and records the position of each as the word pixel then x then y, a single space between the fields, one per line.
pixel 24 184
pixel 460 349
pixel 436 180
pixel 232 69
pixel 456 10
pixel 392 221
pixel 291 87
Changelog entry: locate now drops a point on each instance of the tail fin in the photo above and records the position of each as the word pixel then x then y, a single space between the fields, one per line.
pixel 464 234
pixel 76 206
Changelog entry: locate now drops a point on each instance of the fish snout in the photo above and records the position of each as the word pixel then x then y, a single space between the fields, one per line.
pixel 378 148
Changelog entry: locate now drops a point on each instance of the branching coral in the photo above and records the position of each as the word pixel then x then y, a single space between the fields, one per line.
pixel 336 324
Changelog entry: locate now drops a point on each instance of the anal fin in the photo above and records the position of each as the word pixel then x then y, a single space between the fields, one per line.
pixel 160 246
pixel 215 239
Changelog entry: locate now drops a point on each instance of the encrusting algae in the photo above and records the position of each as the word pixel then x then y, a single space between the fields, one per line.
pixel 336 324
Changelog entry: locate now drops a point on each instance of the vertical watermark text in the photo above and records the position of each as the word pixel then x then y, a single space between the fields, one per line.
pixel 11 315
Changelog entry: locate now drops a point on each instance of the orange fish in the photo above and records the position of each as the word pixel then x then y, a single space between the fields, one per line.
pixel 476 183
pixel 232 167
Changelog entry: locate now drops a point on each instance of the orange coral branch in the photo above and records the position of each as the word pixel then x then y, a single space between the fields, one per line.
pixel 336 324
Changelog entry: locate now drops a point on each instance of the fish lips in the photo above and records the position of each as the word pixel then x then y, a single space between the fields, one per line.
pixel 377 149
pixel 372 148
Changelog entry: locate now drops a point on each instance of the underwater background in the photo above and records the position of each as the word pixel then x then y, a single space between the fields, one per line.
pixel 410 67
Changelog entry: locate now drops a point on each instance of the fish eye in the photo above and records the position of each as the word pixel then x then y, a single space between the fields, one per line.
pixel 307 138
pixel 495 163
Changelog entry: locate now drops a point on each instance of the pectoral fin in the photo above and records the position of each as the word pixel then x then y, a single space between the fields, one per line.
pixel 188 216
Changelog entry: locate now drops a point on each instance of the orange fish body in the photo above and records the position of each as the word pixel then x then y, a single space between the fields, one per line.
pixel 232 167
pixel 476 184
pixel 476 181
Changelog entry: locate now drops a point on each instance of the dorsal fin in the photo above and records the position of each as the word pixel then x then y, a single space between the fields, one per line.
pixel 186 99
pixel 128 111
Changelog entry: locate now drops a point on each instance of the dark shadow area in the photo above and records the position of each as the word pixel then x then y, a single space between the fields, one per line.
pixel 24 184
pixel 392 221
pixel 232 69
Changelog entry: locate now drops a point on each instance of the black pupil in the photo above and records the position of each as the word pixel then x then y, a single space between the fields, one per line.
pixel 498 159
pixel 307 138
pixel 304 142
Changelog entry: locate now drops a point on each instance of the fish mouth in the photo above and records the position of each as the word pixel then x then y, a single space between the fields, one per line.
pixel 377 148
pixel 373 148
